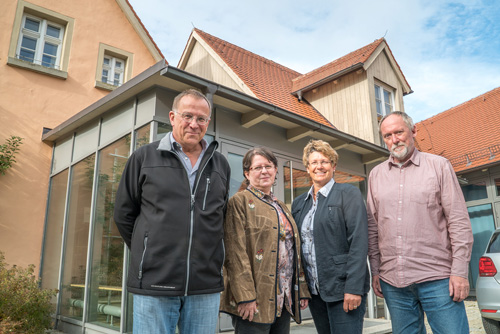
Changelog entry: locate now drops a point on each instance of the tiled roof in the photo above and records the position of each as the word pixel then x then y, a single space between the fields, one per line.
pixel 269 81
pixel 359 56
pixel 468 135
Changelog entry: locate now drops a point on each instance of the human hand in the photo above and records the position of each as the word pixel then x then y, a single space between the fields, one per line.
pixel 459 288
pixel 351 302
pixel 376 286
pixel 247 310
pixel 304 303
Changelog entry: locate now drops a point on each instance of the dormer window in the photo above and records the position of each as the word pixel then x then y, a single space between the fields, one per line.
pixel 384 99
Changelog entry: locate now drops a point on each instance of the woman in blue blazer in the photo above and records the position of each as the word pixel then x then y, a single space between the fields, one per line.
pixel 332 221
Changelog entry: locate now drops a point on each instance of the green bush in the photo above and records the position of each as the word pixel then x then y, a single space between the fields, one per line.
pixel 24 306
pixel 8 152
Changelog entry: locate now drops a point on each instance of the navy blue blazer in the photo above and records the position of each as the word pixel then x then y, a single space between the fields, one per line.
pixel 340 240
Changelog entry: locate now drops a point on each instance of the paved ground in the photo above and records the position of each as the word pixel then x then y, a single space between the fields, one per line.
pixel 379 326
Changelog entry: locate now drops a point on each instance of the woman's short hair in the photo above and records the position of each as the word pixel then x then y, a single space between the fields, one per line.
pixel 248 158
pixel 321 146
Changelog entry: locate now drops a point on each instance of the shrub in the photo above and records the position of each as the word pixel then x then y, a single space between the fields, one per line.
pixel 8 152
pixel 24 306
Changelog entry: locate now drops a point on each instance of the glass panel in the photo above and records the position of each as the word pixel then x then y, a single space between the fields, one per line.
pixel 62 154
pixel 28 43
pixel 117 124
pixel 76 239
pixel 27 55
pixel 53 232
pixel 104 76
pixel 163 129
pixel 142 136
pixel 497 186
pixel 301 183
pixel 53 31
pixel 356 180
pixel 475 190
pixel 483 224
pixel 86 141
pixel 106 61
pixel 118 64
pixel 32 25
pixel 237 178
pixel 50 49
pixel 48 61
pixel 107 253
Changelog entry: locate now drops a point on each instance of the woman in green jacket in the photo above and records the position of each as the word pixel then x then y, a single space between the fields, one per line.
pixel 264 283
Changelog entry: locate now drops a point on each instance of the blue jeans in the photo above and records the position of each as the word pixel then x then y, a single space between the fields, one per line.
pixel 160 314
pixel 408 305
pixel 330 317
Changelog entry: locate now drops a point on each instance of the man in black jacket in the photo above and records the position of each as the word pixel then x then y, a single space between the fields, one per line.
pixel 169 210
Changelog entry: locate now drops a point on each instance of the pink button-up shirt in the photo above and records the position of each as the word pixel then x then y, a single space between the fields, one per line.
pixel 418 225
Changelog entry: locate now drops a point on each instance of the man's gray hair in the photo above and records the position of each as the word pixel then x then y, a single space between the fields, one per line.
pixel 407 119
pixel 190 92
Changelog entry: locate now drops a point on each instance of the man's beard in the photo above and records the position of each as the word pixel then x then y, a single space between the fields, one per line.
pixel 400 155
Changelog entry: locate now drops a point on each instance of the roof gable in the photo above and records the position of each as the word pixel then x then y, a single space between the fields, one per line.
pixel 266 79
pixel 358 59
pixel 468 134
pixel 139 27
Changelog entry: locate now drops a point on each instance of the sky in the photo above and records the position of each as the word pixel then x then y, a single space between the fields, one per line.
pixel 449 51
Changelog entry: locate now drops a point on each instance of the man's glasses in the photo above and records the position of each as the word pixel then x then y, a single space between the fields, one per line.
pixel 188 118
pixel 259 169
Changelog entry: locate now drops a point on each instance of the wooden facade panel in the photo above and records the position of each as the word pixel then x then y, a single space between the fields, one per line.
pixel 346 103
pixel 201 63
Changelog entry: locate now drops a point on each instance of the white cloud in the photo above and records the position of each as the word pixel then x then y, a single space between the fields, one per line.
pixel 448 51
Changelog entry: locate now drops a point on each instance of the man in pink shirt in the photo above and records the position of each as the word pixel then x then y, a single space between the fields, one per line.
pixel 420 236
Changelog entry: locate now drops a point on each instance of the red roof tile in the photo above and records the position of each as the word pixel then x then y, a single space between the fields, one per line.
pixel 269 81
pixel 359 56
pixel 468 135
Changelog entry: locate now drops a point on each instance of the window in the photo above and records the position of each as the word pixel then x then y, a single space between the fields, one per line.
pixel 40 40
pixel 114 67
pixel 384 101
pixel 112 71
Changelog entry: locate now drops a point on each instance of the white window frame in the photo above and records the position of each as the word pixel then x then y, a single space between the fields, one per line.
pixel 115 73
pixel 44 16
pixel 41 38
pixel 385 103
pixel 113 54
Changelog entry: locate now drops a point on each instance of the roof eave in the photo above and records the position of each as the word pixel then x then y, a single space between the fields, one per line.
pixel 329 78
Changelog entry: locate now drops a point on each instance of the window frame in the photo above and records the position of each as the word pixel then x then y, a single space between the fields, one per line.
pixel 25 9
pixel 383 88
pixel 112 53
pixel 42 38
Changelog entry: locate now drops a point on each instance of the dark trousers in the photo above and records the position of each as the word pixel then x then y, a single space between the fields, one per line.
pixel 330 318
pixel 280 326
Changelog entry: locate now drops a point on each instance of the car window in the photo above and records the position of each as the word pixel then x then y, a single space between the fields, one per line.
pixel 494 246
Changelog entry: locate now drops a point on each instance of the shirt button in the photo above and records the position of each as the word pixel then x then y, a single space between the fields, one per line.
pixel 400 202
pixel 399 218
pixel 401 185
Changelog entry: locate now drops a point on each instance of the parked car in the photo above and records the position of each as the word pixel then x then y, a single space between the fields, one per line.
pixel 488 285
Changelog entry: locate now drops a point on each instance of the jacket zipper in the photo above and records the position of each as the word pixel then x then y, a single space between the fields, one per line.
pixel 207 190
pixel 188 266
pixel 142 259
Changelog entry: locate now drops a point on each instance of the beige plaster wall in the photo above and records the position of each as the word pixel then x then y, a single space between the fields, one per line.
pixel 30 101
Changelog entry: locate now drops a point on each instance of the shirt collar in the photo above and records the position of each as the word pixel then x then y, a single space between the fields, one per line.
pixel 325 190
pixel 168 143
pixel 414 159
pixel 260 194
